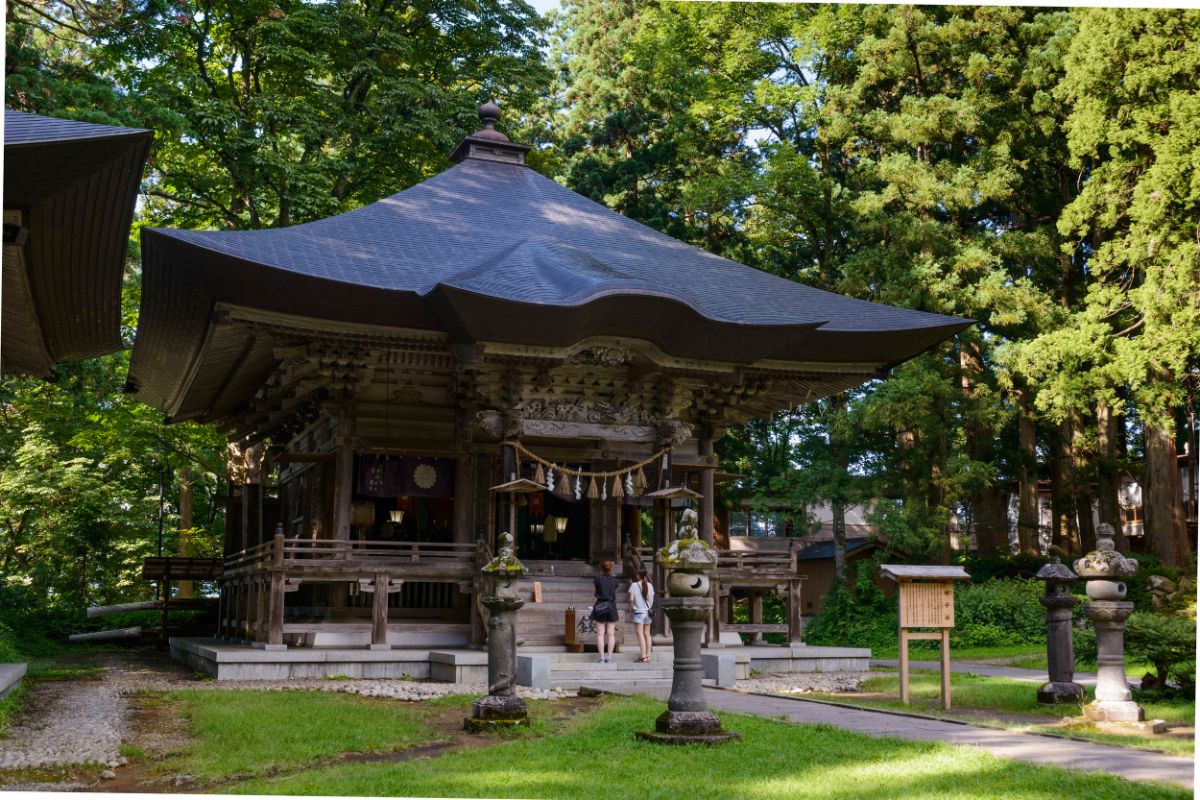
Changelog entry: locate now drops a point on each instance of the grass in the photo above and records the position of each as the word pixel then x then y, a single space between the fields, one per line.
pixel 976 693
pixel 249 733
pixel 1030 656
pixel 774 760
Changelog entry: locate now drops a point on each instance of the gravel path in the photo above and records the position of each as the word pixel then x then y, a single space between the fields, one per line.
pixel 67 722
pixel 806 682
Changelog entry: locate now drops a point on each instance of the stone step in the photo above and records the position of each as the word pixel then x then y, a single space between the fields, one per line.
pixel 618 658
pixel 586 678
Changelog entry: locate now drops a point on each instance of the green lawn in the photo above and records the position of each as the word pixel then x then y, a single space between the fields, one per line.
pixel 597 754
pixel 249 733
pixel 977 693
pixel 1021 655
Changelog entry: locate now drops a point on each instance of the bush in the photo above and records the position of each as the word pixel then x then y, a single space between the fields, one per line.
pixel 990 614
pixel 997 613
pixel 862 617
pixel 1000 566
pixel 1166 642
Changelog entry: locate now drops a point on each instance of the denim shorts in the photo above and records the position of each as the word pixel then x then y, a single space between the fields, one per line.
pixel 641 617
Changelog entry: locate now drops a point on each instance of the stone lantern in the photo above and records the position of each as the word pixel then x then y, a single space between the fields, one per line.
pixel 1107 608
pixel 687 719
pixel 1060 649
pixel 501 708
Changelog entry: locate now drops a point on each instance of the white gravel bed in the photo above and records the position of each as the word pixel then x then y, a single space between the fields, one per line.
pixel 77 722
pixel 394 688
pixel 806 682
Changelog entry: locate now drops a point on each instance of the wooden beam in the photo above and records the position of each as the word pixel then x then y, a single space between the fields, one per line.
pixel 303 458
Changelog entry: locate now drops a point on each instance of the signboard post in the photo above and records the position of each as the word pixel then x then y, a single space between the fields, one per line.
pixel 926 601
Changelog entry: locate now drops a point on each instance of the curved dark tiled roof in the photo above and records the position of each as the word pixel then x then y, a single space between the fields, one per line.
pixel 494 251
pixel 75 185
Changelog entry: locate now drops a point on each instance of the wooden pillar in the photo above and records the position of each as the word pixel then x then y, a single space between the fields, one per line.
pixel 379 613
pixel 275 625
pixel 756 614
pixel 464 498
pixel 343 488
pixel 658 623
pixel 707 487
pixel 244 610
pixel 795 621
pixel 714 619
pixel 904 666
pixel 261 621
pixel 946 668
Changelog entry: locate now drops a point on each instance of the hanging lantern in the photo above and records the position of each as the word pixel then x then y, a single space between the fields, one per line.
pixel 396 515
pixel 560 525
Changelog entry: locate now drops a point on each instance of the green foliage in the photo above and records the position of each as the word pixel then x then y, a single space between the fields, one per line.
pixel 999 612
pixel 1168 642
pixel 861 616
pixel 994 613
pixel 272 113
pixel 983 568
pixel 80 471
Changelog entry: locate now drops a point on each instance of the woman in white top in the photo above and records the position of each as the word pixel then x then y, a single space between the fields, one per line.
pixel 641 597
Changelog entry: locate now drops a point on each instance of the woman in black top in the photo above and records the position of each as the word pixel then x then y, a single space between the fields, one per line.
pixel 604 612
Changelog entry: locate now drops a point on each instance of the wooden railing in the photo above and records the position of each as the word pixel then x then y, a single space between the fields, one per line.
pixel 755 562
pixel 296 552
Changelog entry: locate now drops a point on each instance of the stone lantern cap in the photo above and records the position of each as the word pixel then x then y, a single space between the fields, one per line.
pixel 689 552
pixel 1105 564
pixel 1056 572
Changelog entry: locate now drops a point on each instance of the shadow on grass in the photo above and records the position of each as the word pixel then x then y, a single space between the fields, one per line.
pixel 774 760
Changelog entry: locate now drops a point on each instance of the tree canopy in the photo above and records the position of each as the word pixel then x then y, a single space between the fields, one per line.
pixel 1033 169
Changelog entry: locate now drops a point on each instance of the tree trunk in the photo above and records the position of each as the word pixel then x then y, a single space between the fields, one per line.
pixel 1166 530
pixel 1108 473
pixel 1028 521
pixel 841 454
pixel 1062 499
pixel 937 494
pixel 987 502
pixel 1082 461
pixel 185 525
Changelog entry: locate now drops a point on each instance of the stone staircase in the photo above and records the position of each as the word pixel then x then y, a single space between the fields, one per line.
pixel 573 670
pixel 541 624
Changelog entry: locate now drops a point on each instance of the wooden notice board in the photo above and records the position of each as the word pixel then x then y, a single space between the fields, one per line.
pixel 926 601
pixel 927 605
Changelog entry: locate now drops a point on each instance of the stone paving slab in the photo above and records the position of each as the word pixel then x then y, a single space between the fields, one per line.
pixel 1137 765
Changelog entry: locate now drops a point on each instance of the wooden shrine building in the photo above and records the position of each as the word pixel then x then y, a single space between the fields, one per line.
pixel 69 194
pixel 484 350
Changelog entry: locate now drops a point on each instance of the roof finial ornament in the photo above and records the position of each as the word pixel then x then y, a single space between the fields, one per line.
pixel 489 144
pixel 489 114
